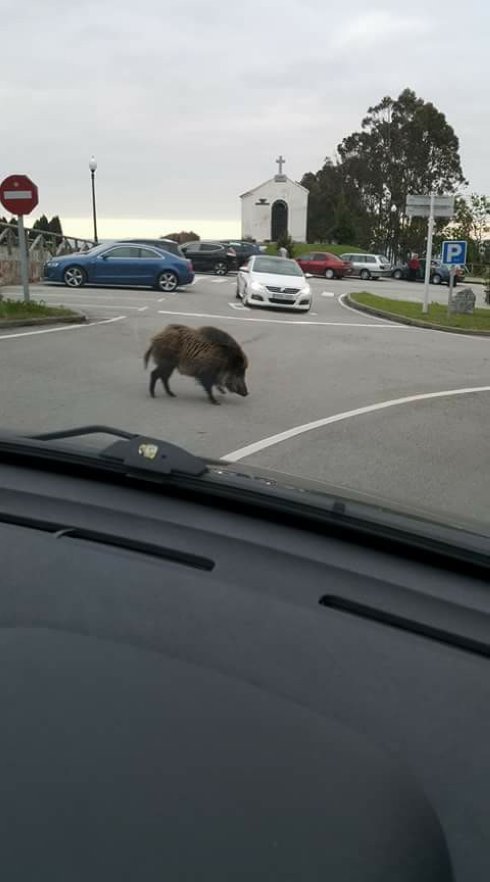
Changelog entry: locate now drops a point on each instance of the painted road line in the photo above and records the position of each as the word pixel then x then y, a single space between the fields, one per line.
pixel 117 318
pixel 239 306
pixel 219 281
pixel 303 322
pixel 258 446
pixel 327 294
pixel 105 306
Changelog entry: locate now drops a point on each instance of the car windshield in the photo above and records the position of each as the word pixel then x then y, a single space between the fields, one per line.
pixel 251 142
pixel 276 266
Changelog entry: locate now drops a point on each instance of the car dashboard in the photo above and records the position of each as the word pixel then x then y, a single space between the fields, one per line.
pixel 190 690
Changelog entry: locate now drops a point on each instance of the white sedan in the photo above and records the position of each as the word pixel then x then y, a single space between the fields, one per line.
pixel 273 282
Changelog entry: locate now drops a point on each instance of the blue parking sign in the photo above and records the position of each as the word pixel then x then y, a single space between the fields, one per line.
pixel 454 252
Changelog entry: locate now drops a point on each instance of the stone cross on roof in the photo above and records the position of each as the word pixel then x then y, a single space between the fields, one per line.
pixel 280 161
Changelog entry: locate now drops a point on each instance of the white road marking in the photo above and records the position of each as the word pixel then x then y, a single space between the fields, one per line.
pixel 239 306
pixel 118 318
pixel 103 306
pixel 250 449
pixel 219 281
pixel 161 300
pixel 328 294
pixel 237 318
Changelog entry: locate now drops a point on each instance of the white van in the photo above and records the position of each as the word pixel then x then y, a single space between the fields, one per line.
pixel 368 266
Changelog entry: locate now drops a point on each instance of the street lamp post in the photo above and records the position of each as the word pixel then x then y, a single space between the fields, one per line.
pixel 93 168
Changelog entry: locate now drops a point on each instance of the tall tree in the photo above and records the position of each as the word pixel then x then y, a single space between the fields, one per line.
pixel 55 227
pixel 405 146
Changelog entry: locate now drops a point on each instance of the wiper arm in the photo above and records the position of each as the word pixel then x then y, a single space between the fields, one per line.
pixel 81 431
pixel 129 454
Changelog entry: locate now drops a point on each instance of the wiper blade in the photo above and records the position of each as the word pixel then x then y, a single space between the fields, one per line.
pixel 131 453
pixel 80 432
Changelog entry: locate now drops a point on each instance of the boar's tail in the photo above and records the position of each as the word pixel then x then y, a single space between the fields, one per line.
pixel 147 354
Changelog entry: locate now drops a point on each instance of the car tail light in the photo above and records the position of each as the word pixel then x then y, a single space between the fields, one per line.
pixel 231 253
pixel 190 265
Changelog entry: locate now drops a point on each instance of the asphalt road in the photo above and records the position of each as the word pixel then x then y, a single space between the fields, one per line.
pixel 336 367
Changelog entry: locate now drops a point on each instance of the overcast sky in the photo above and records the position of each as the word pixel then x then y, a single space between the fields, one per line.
pixel 187 104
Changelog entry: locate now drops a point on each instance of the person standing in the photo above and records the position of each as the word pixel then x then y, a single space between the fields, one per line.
pixel 413 268
pixel 283 252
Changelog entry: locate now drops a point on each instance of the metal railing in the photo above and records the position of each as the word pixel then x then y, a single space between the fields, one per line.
pixel 41 241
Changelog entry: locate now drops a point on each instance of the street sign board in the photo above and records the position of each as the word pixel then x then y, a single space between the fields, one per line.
pixel 18 194
pixel 419 206
pixel 454 252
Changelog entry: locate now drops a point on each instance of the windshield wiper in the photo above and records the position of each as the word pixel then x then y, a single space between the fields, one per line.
pixel 129 454
pixel 140 457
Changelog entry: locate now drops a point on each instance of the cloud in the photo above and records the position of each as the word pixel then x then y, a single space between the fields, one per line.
pixel 376 27
pixel 186 105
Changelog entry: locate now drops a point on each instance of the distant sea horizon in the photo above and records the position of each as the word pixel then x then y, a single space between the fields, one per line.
pixel 125 228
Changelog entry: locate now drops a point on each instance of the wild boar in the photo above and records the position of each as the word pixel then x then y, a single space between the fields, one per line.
pixel 208 354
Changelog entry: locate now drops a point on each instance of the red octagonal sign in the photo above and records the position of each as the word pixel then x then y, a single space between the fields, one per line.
pixel 18 194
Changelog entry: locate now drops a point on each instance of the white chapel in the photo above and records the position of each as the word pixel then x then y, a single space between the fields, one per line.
pixel 274 208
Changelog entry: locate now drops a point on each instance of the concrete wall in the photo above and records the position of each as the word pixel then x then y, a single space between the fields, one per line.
pixel 10 267
pixel 256 219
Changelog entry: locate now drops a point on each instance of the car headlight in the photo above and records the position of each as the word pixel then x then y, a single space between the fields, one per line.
pixel 305 290
pixel 257 287
pixel 53 263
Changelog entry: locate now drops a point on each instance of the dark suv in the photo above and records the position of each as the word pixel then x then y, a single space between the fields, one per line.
pixel 165 244
pixel 211 257
pixel 243 250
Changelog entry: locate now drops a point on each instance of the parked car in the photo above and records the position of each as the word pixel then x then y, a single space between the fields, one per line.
pixel 439 272
pixel 211 257
pixel 368 266
pixel 323 263
pixel 118 264
pixel 275 282
pixel 244 250
pixel 164 244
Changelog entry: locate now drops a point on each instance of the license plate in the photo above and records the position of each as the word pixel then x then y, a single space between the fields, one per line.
pixel 283 297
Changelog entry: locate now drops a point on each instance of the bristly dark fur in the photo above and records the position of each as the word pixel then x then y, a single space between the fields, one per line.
pixel 208 354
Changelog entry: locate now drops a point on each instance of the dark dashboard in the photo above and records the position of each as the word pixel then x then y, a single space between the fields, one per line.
pixel 190 692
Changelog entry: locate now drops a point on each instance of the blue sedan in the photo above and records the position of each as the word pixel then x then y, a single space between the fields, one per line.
pixel 118 264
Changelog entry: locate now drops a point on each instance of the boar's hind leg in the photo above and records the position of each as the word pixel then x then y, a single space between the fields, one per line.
pixel 207 383
pixel 162 372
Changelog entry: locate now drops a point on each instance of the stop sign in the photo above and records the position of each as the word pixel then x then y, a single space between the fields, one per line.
pixel 18 194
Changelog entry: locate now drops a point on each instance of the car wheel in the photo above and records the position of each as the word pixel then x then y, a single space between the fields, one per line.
pixel 365 275
pixel 329 274
pixel 167 281
pixel 398 275
pixel 220 268
pixel 74 277
pixel 436 279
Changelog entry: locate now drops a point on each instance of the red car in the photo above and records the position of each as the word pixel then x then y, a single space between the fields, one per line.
pixel 322 263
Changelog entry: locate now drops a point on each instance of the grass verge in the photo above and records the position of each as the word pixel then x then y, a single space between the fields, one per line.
pixel 303 248
pixel 436 316
pixel 18 309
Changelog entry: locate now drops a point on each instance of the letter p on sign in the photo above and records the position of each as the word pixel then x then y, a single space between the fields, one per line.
pixel 454 252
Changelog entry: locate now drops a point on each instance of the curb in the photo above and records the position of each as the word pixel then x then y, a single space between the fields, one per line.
pixel 77 318
pixel 416 323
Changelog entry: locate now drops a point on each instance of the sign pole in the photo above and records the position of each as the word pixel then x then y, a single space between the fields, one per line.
pixel 24 262
pixel 428 255
pixel 452 273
